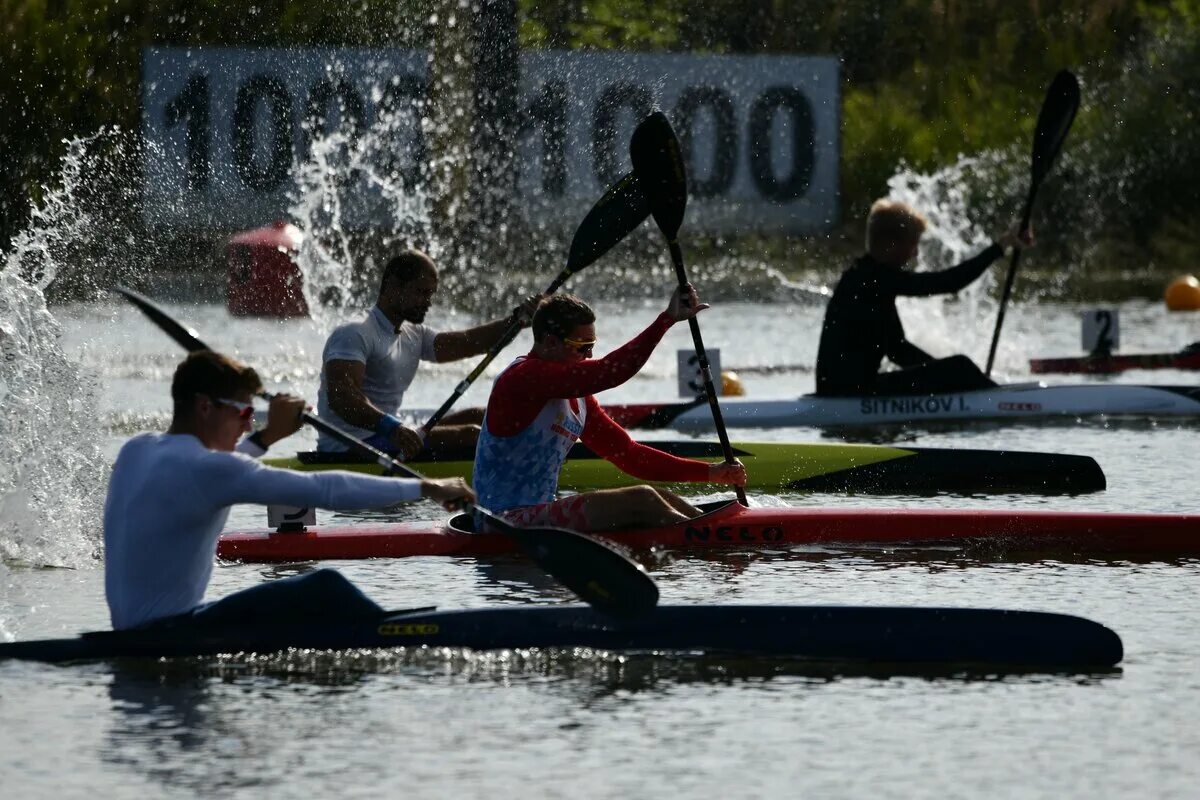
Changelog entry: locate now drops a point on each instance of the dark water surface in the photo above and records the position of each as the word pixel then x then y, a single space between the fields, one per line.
pixel 450 723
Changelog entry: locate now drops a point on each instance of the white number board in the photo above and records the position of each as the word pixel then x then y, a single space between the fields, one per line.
pixel 226 129
pixel 691 379
pixel 1101 330
pixel 291 517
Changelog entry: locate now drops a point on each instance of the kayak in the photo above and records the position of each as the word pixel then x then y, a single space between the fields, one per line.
pixel 1188 358
pixel 819 467
pixel 729 524
pixel 1012 402
pixel 873 635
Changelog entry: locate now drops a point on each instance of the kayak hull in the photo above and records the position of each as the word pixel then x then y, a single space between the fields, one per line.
pixel 730 525
pixel 1016 402
pixel 1110 365
pixel 846 634
pixel 818 467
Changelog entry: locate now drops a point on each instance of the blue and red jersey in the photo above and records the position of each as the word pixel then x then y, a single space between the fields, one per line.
pixel 539 408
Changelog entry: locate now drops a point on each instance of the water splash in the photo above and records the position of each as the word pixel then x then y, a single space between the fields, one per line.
pixel 52 476
pixel 957 202
pixel 354 176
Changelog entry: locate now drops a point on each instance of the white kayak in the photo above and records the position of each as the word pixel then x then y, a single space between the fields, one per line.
pixel 1012 402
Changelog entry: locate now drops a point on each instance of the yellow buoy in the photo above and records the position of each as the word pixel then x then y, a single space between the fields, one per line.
pixel 731 384
pixel 1183 294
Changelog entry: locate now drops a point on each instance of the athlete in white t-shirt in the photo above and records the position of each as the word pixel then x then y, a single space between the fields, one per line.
pixel 170 494
pixel 367 366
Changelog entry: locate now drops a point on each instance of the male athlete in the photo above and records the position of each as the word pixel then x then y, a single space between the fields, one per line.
pixel 543 402
pixel 367 366
pixel 862 324
pixel 170 493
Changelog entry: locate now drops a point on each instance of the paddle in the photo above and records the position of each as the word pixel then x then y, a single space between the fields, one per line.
pixel 658 163
pixel 602 576
pixel 621 209
pixel 1054 122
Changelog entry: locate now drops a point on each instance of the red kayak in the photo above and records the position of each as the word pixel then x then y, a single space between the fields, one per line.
pixel 1188 358
pixel 732 525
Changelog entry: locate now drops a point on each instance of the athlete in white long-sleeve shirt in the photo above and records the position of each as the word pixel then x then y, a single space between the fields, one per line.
pixel 170 494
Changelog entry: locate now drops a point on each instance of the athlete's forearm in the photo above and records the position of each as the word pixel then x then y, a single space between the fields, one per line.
pixel 455 345
pixel 921 284
pixel 650 464
pixel 609 440
pixel 354 407
pixel 335 490
pixel 590 377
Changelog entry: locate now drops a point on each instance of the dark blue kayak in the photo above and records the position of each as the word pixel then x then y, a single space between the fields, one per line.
pixel 845 634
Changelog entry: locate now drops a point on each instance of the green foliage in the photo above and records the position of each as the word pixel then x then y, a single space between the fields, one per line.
pixel 923 80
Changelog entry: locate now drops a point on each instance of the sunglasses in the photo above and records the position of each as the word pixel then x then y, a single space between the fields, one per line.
pixel 584 348
pixel 245 410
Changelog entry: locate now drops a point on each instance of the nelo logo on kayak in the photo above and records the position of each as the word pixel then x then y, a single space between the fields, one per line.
pixel 1020 406
pixel 732 533
pixel 944 404
pixel 407 629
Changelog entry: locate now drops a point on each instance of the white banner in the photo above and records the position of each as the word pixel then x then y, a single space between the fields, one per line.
pixel 226 129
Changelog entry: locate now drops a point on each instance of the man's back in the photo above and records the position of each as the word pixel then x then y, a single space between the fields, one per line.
pixel 160 527
pixel 860 322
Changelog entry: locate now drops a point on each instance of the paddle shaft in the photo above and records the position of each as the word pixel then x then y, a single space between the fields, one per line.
pixel 513 330
pixel 1053 125
pixel 1010 278
pixel 710 390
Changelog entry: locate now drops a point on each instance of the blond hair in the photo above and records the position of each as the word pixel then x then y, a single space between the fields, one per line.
pixel 892 223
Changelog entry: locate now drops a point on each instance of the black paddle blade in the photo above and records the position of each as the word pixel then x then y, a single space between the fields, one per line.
pixel 622 208
pixel 1054 122
pixel 602 576
pixel 184 336
pixel 658 162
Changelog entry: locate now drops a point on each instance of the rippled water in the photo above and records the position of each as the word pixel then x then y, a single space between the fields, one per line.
pixel 528 724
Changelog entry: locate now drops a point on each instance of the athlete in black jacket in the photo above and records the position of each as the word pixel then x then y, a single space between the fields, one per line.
pixel 862 325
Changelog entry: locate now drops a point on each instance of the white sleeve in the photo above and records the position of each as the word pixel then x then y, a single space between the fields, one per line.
pixel 247 447
pixel 347 343
pixel 230 479
pixel 428 335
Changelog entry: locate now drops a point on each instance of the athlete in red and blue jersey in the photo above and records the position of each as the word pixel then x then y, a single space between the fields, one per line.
pixel 543 402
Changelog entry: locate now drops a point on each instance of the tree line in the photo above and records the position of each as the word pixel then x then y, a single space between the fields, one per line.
pixel 923 80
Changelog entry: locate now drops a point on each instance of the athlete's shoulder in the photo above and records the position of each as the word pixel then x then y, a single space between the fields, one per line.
pixel 351 341
pixel 221 465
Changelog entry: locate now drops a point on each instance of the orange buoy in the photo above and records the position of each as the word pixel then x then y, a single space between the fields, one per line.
pixel 731 384
pixel 1183 294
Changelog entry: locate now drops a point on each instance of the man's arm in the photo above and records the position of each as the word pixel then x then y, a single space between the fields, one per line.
pixel 610 441
pixel 947 281
pixel 906 354
pixel 519 394
pixel 344 381
pixel 236 480
pixel 283 419
pixel 455 345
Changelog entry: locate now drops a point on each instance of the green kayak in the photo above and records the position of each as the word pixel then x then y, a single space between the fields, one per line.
pixel 817 467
